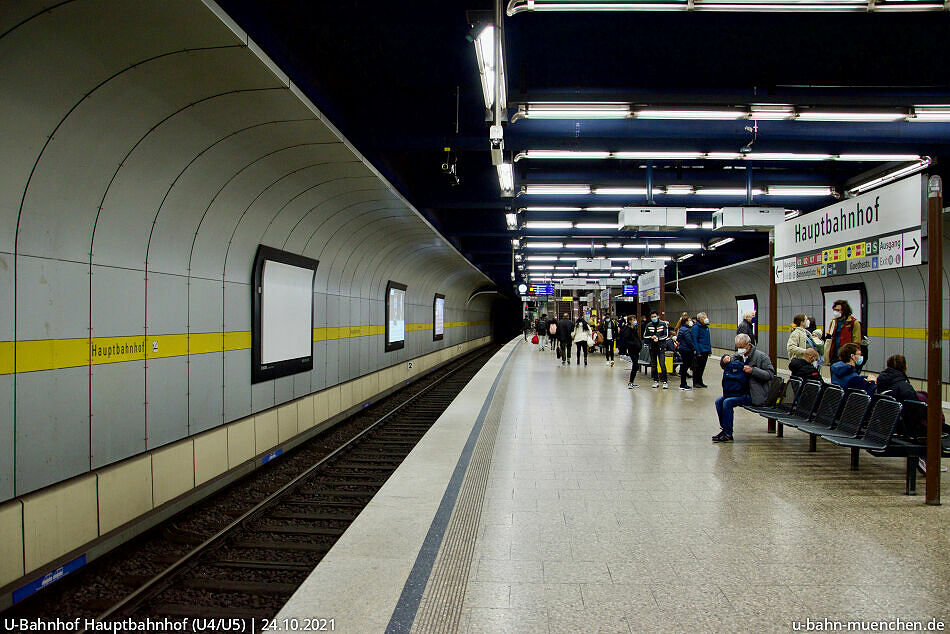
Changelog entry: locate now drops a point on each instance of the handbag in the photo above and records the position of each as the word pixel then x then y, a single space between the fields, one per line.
pixel 534 339
pixel 558 351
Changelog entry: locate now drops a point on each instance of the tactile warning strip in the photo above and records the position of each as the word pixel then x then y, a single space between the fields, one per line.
pixel 441 604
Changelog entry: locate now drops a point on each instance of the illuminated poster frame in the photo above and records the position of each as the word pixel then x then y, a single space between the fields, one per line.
pixel 395 345
pixel 436 335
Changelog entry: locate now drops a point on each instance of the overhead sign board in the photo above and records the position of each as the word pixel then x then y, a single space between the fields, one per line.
pixel 649 286
pixel 630 290
pixel 878 230
pixel 541 289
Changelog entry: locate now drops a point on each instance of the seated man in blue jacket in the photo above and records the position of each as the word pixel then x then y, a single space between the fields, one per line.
pixel 844 372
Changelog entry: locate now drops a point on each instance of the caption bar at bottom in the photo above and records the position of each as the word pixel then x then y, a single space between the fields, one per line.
pixel 892 625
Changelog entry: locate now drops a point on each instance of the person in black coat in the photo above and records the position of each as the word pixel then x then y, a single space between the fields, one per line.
pixel 541 329
pixel 893 380
pixel 630 336
pixel 684 345
pixel 806 366
pixel 565 336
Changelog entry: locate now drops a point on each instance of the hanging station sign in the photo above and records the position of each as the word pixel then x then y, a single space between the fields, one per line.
pixel 649 286
pixel 874 231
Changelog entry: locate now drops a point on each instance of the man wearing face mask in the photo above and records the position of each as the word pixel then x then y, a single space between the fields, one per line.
pixel 760 372
pixel 703 345
pixel 844 328
pixel 844 372
pixel 656 333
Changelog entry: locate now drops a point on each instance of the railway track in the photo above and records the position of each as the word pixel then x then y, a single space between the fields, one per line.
pixel 251 566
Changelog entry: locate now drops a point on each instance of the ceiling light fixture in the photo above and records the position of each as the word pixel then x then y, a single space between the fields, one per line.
pixel 597 225
pixel 506 179
pixel 682 246
pixel 714 115
pixel 520 6
pixel 718 156
pixel 792 190
pixel 718 243
pixel 684 257
pixel 545 245
pixel 485 56
pixel 512 221
pixel 573 111
pixel 541 258
pixel 551 209
pixel 557 190
pixel 930 114
pixel 727 191
pixel 862 117
pixel 549 224
pixel 890 177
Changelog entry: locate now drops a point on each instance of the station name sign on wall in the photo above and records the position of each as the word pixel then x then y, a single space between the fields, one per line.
pixel 874 231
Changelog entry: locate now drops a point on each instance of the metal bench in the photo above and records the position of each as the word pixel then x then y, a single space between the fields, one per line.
pixel 805 406
pixel 825 417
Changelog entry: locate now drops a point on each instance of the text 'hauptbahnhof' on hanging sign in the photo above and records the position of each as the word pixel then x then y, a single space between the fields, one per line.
pixel 878 230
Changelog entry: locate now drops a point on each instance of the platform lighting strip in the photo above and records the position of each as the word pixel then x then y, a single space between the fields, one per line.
pixel 797 6
pixel 506 179
pixel 759 112
pixel 890 177
pixel 675 190
pixel 715 156
pixel 668 246
pixel 485 56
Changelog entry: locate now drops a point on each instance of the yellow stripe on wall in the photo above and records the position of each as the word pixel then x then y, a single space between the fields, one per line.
pixel 896 333
pixel 55 354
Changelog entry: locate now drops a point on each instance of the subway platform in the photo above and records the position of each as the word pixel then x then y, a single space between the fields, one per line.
pixel 551 498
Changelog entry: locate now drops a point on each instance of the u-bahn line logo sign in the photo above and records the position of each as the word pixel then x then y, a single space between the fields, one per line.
pixel 878 230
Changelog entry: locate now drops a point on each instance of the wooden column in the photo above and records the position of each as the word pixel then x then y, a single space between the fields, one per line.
pixel 934 335
pixel 773 316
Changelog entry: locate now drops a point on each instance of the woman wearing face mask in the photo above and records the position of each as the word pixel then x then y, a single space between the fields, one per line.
pixel 702 345
pixel 844 371
pixel 844 328
pixel 686 347
pixel 800 339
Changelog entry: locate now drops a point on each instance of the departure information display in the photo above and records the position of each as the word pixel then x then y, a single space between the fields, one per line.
pixel 541 289
pixel 630 290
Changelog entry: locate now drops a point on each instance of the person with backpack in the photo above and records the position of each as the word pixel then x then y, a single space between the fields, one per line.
pixel 541 330
pixel 608 329
pixel 552 332
pixel 686 348
pixel 800 339
pixel 844 329
pixel 632 344
pixel 564 330
pixel 737 390
pixel 702 344
pixel 656 333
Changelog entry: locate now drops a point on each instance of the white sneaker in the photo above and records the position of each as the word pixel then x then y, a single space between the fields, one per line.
pixel 665 386
pixel 656 384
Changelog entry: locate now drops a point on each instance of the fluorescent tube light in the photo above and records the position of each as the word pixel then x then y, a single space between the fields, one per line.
pixel 512 221
pixel 930 114
pixel 515 242
pixel 563 268
pixel 582 245
pixel 723 156
pixel 614 245
pixel 890 177
pixel 597 225
pixel 768 112
pixel 540 267
pixel 541 258
pixel 552 209
pixel 576 111
pixel 556 190
pixel 679 190
pixel 792 214
pixel 726 191
pixel 719 115
pixel 658 156
pixel 634 246
pixel 682 246
pixel 624 191
pixel 545 245
pixel 785 156
pixel 549 224
pixel 862 117
pixel 618 209
pixel 561 154
pixel 684 257
pixel 707 225
pixel 485 56
pixel 791 190
pixel 506 179
pixel 719 243
pixel 883 158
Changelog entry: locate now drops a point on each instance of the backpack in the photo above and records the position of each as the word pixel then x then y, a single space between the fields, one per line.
pixel 735 382
pixel 552 328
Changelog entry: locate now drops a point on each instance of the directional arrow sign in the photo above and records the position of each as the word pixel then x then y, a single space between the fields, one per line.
pixel 915 247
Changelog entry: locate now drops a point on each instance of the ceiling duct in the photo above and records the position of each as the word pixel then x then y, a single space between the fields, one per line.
pixel 652 218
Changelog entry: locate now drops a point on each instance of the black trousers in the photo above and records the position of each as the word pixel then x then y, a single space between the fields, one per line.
pixel 609 349
pixel 699 366
pixel 633 371
pixel 685 367
pixel 581 345
pixel 565 345
pixel 658 354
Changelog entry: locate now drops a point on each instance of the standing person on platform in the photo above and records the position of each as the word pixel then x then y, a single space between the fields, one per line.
pixel 746 327
pixel 552 332
pixel 634 344
pixel 608 329
pixel 686 348
pixel 843 329
pixel 800 339
pixel 526 327
pixel 760 371
pixel 582 337
pixel 656 333
pixel 565 334
pixel 542 331
pixel 702 344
